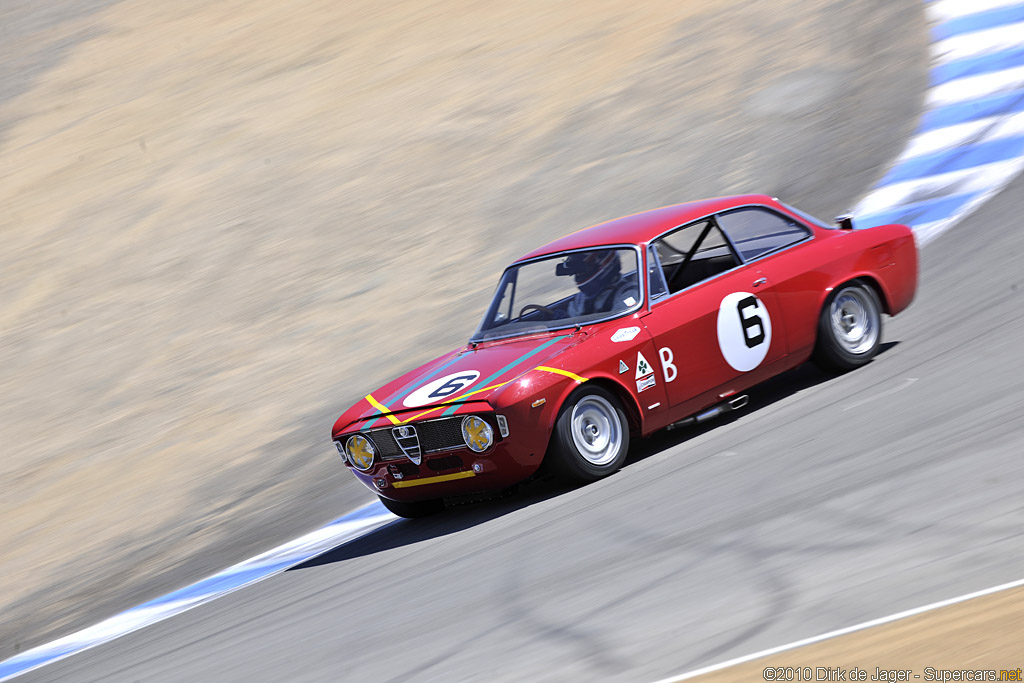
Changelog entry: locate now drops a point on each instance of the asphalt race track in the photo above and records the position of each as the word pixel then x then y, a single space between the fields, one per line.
pixel 831 501
pixel 827 502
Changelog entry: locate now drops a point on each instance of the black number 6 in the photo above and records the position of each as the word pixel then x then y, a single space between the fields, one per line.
pixel 451 386
pixel 754 320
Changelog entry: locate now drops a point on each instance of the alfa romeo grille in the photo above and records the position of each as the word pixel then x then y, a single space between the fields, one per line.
pixel 407 439
pixel 427 436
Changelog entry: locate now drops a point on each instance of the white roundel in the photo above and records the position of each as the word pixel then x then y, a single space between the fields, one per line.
pixel 440 389
pixel 744 330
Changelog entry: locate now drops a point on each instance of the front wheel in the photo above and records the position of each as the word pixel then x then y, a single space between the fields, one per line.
pixel 849 328
pixel 591 437
pixel 412 509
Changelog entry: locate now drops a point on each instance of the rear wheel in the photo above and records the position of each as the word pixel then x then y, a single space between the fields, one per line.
pixel 591 437
pixel 849 328
pixel 412 509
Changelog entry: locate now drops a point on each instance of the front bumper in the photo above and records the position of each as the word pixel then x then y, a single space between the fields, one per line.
pixel 453 473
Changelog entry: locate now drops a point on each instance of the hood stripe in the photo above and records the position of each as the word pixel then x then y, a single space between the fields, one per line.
pixel 373 402
pixel 459 398
pixel 508 367
pixel 383 407
pixel 559 371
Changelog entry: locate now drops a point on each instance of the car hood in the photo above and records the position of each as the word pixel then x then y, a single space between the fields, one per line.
pixel 471 373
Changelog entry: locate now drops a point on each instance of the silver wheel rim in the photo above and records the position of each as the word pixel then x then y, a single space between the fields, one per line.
pixel 596 431
pixel 854 321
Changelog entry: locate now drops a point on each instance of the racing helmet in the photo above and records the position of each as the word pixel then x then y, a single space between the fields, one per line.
pixel 593 271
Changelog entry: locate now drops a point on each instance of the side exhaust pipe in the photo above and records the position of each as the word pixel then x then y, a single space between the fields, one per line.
pixel 734 403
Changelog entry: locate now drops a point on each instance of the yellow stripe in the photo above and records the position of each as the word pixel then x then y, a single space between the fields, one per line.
pixel 402 484
pixel 570 375
pixel 377 404
pixel 444 404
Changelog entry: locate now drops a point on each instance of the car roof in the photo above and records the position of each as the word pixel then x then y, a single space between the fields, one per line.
pixel 640 228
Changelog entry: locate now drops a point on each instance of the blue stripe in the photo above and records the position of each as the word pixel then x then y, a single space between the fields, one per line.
pixel 978 22
pixel 421 380
pixel 981 108
pixel 975 66
pixel 955 159
pixel 408 387
pixel 451 410
pixel 920 213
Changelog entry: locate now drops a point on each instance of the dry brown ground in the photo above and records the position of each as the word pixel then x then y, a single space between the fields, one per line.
pixel 222 221
pixel 981 634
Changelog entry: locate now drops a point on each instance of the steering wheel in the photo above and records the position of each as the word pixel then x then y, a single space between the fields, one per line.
pixel 549 312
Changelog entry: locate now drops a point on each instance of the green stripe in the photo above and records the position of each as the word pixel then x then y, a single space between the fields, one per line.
pixel 517 361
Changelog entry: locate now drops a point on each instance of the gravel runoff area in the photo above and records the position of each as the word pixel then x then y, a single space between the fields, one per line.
pixel 223 222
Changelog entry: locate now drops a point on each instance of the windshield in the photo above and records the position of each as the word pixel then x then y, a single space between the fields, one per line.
pixel 563 290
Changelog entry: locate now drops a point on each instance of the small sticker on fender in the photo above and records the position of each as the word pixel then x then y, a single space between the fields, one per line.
pixel 623 367
pixel 643 368
pixel 625 334
pixel 645 383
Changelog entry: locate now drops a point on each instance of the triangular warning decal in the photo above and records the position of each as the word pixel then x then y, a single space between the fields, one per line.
pixel 643 368
pixel 623 367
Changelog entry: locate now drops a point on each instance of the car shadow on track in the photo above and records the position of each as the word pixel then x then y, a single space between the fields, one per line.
pixel 768 392
pixel 458 518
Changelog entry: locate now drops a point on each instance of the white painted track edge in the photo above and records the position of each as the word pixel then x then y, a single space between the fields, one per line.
pixel 843 631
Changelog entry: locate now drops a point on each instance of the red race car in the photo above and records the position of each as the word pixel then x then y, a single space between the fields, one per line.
pixel 641 323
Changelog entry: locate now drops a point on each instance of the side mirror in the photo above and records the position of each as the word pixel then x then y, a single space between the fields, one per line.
pixel 845 222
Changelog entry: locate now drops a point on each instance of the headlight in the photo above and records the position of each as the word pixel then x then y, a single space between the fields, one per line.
pixel 360 452
pixel 478 434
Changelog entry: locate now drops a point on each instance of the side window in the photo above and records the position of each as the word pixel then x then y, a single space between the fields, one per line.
pixel 692 254
pixel 757 231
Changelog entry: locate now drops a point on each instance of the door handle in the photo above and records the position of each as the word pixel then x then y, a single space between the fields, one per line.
pixel 760 281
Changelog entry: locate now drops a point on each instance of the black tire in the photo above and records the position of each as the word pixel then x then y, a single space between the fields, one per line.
pixel 413 509
pixel 594 414
pixel 849 328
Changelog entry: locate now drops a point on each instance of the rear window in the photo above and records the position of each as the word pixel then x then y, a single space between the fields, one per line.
pixel 756 231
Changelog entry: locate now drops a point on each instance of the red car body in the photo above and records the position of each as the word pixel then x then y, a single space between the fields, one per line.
pixel 527 379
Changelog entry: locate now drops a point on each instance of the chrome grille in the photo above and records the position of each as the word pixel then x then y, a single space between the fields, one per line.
pixel 434 435
pixel 441 435
pixel 409 441
pixel 387 448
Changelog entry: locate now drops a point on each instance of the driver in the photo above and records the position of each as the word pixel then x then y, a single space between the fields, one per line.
pixel 596 274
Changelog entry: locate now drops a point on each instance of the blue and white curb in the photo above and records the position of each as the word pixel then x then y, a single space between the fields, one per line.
pixel 970 141
pixel 350 527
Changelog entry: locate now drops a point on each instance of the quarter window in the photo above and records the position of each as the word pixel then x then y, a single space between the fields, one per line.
pixel 657 287
pixel 757 231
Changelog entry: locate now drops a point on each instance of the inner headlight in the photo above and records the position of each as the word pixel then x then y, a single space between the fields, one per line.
pixel 478 434
pixel 360 452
